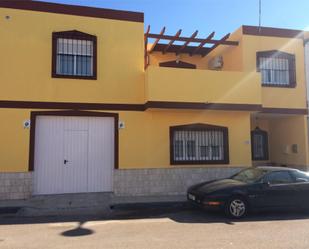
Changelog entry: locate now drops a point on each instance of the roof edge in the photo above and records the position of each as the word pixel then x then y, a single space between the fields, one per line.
pixel 274 32
pixel 74 10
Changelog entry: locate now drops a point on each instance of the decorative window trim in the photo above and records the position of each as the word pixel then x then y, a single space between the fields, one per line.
pixel 199 127
pixel 282 55
pixel 265 145
pixel 73 34
pixel 177 64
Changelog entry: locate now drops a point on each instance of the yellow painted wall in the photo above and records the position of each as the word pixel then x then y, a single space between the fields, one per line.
pixel 143 143
pixel 262 123
pixel 25 71
pixel 284 132
pixel 25 65
pixel 157 57
pixel 232 55
pixel 275 96
pixel 242 58
pixel 175 84
pixel 14 146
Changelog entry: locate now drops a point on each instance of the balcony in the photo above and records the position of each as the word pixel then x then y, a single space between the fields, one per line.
pixel 202 86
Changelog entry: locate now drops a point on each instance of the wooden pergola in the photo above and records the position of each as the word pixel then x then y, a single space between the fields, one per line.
pixel 184 48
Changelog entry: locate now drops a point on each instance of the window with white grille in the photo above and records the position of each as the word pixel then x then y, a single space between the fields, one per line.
pixel 199 144
pixel 74 55
pixel 277 68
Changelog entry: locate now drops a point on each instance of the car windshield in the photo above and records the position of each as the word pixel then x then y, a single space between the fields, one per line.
pixel 249 175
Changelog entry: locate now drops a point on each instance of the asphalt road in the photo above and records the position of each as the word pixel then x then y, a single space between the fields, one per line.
pixel 160 228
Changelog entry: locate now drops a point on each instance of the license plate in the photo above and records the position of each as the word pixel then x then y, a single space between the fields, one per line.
pixel 191 197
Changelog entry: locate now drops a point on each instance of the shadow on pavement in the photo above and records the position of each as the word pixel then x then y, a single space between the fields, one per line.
pixel 78 231
pixel 178 212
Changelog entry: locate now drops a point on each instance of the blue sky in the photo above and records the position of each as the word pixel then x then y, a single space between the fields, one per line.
pixel 222 16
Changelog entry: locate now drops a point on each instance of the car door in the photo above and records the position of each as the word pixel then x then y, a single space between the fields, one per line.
pixel 301 188
pixel 276 191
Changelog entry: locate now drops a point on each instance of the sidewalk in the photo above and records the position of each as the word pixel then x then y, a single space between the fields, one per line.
pixel 105 205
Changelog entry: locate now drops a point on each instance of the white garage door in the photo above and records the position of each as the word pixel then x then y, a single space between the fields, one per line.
pixel 73 154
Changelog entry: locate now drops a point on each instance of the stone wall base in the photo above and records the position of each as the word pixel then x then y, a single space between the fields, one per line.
pixel 127 182
pixel 174 181
pixel 15 186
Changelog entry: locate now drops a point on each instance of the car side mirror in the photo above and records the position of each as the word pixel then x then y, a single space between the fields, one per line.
pixel 266 184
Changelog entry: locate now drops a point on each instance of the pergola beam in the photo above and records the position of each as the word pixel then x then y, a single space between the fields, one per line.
pixel 145 46
pixel 147 31
pixel 203 43
pixel 172 41
pixel 187 42
pixel 170 46
pixel 197 40
pixel 157 39
pixel 223 39
pixel 146 37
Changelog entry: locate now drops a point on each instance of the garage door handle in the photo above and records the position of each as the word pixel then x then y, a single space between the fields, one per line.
pixel 65 161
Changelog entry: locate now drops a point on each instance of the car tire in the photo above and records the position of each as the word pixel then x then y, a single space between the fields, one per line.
pixel 236 207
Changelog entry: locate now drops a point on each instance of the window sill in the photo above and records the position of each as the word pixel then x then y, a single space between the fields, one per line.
pixel 175 163
pixel 279 86
pixel 74 77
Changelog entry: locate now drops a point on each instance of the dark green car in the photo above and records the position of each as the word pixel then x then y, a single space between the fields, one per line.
pixel 253 189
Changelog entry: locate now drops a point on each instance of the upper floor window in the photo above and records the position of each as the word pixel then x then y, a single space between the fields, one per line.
pixel 199 144
pixel 74 55
pixel 277 68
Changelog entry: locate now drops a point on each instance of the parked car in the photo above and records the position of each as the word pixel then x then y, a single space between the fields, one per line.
pixel 253 189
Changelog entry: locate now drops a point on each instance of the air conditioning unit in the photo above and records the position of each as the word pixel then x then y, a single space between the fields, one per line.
pixel 216 63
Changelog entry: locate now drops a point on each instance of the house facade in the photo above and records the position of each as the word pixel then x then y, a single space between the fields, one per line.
pixel 306 45
pixel 91 103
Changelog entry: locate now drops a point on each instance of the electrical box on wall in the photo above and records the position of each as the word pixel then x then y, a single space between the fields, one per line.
pixel 289 149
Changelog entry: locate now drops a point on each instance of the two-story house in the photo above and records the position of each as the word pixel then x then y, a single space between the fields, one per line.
pixel 91 103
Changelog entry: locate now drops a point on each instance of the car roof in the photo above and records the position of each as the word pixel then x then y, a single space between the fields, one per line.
pixel 273 168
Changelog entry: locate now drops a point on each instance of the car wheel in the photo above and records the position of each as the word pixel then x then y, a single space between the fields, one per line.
pixel 236 207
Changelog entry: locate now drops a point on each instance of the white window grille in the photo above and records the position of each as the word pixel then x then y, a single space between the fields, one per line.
pixel 74 57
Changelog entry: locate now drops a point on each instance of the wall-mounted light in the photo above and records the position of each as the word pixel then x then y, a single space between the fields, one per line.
pixel 121 125
pixel 26 124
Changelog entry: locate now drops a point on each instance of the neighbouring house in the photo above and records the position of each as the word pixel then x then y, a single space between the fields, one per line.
pixel 91 103
pixel 306 44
